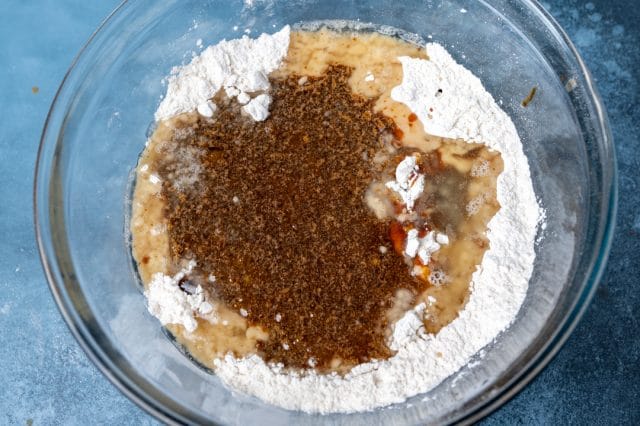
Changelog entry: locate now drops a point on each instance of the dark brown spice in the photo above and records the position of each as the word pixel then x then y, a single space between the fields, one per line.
pixel 298 242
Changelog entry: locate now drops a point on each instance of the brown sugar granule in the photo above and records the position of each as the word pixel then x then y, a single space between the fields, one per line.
pixel 278 216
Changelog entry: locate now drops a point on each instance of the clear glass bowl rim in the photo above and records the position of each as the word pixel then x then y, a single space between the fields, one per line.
pixel 605 232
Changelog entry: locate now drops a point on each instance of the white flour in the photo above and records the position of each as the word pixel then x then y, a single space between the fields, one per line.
pixel 239 66
pixel 461 109
pixel 409 184
pixel 424 247
pixel 167 302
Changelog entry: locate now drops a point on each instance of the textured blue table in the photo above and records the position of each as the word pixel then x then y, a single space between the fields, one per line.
pixel 45 377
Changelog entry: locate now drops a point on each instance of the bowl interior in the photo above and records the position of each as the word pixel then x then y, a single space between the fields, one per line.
pixel 103 113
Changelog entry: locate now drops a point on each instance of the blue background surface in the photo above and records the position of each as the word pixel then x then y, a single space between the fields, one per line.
pixel 45 378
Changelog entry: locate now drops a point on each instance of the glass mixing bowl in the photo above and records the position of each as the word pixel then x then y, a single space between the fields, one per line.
pixel 99 121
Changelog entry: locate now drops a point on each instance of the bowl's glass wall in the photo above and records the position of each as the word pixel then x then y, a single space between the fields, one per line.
pixel 99 125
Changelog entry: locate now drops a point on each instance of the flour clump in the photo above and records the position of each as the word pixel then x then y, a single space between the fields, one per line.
pixel 239 66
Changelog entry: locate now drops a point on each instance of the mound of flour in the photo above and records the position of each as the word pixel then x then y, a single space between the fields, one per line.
pixel 451 102
pixel 239 66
